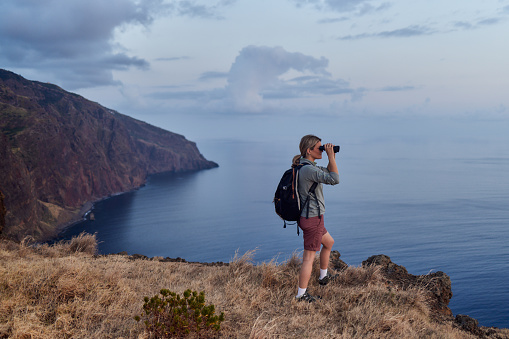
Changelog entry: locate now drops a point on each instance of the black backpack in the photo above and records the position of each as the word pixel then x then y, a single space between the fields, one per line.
pixel 286 199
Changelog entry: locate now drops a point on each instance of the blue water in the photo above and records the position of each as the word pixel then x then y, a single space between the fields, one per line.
pixel 428 212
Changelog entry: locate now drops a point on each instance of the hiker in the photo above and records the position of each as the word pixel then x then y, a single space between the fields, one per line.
pixel 312 219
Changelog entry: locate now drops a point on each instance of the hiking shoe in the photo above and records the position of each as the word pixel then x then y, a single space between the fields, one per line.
pixel 328 278
pixel 307 297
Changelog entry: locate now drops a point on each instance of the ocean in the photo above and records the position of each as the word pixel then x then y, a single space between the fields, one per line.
pixel 429 207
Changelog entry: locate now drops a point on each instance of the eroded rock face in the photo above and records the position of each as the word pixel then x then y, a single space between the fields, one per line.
pixel 59 151
pixel 438 283
pixel 336 263
pixel 467 323
pixel 2 212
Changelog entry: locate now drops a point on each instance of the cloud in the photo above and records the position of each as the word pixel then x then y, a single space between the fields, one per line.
pixel 213 75
pixel 72 41
pixel 188 8
pixel 191 9
pixel 489 21
pixel 359 7
pixel 478 24
pixel 260 74
pixel 333 20
pixel 463 25
pixel 173 58
pixel 363 7
pixel 307 86
pixel 406 32
pixel 420 30
pixel 258 68
pixel 202 96
pixel 397 88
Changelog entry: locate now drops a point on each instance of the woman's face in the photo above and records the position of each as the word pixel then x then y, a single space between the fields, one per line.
pixel 315 152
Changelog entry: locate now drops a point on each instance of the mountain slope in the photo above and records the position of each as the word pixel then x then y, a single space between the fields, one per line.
pixel 60 151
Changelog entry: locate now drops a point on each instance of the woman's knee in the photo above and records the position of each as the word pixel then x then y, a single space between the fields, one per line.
pixel 308 255
pixel 327 240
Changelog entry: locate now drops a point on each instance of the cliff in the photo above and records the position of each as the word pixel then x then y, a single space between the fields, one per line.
pixel 2 212
pixel 60 151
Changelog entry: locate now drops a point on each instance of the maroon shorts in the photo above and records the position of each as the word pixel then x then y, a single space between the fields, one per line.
pixel 313 229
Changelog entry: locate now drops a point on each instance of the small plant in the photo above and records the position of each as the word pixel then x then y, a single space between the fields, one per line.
pixel 173 316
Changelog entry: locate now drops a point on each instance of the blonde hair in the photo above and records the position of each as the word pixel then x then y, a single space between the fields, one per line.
pixel 307 141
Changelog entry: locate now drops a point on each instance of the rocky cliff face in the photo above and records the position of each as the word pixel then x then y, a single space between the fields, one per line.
pixel 59 151
pixel 438 283
pixel 2 212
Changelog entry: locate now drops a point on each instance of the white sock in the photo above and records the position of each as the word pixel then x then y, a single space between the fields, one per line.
pixel 300 292
pixel 323 273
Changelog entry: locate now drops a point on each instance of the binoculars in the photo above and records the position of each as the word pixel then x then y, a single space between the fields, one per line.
pixel 336 148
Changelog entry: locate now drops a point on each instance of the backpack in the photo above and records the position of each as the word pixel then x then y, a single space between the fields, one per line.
pixel 286 199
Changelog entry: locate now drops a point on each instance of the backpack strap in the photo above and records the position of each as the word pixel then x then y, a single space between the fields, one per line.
pixel 311 190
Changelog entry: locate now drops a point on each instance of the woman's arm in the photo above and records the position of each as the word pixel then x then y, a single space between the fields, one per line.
pixel 332 166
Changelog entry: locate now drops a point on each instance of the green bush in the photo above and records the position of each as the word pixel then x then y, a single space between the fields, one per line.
pixel 172 316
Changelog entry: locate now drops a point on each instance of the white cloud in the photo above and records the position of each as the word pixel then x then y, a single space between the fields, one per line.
pixel 258 68
pixel 261 74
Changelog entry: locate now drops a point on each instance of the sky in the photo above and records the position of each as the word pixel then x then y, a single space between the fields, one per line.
pixel 349 69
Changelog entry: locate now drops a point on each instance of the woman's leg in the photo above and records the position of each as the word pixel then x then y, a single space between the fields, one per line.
pixel 327 242
pixel 307 266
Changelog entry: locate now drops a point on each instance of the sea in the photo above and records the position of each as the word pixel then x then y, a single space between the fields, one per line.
pixel 428 206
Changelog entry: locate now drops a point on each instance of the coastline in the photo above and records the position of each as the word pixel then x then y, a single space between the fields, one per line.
pixel 78 217
pixel 83 212
pixel 81 215
pixel 88 206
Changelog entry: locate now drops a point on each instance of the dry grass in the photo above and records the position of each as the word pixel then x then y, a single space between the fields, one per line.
pixel 64 291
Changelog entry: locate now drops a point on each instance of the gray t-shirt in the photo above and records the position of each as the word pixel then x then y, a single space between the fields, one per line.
pixel 307 176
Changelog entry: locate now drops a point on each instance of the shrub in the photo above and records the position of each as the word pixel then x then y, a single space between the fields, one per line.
pixel 173 316
pixel 84 243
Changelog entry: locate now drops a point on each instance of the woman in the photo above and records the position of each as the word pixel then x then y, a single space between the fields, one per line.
pixel 312 220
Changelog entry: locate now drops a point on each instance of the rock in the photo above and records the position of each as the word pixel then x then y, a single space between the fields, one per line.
pixel 471 325
pixel 438 284
pixel 2 212
pixel 137 256
pixel 467 323
pixel 168 259
pixel 337 264
pixel 389 267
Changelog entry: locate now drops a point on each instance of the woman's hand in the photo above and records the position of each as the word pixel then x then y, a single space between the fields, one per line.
pixel 329 149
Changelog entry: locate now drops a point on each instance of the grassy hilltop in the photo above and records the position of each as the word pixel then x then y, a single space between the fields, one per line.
pixel 65 291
